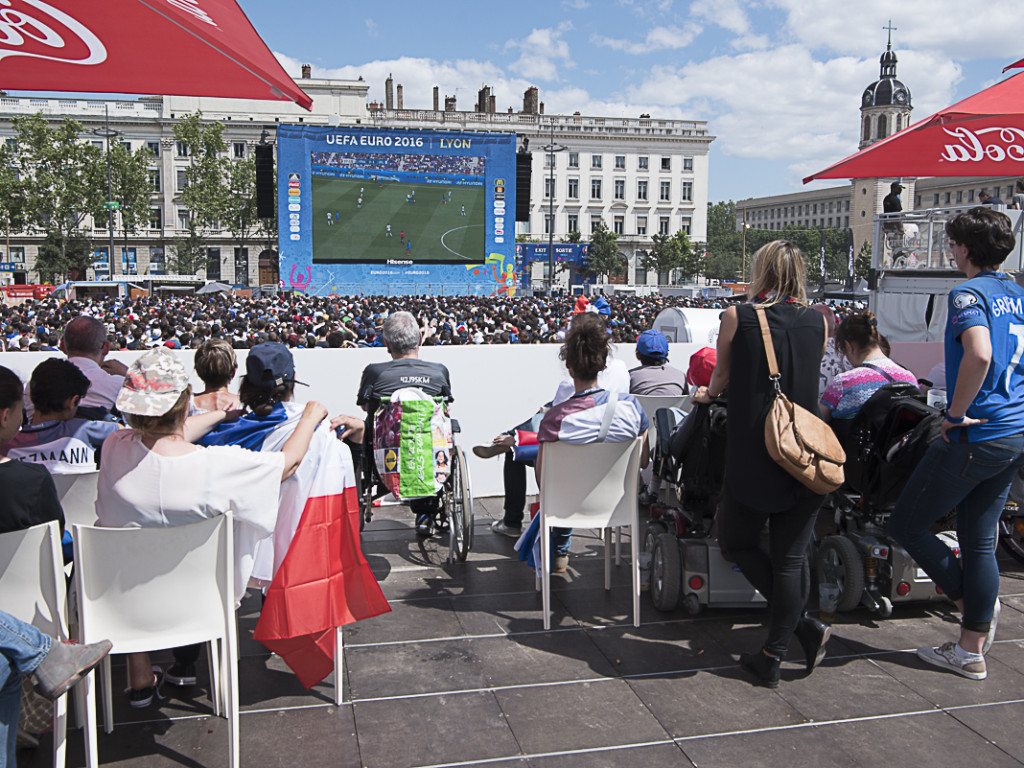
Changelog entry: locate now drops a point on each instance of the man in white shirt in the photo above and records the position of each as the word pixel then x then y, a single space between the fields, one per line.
pixel 85 343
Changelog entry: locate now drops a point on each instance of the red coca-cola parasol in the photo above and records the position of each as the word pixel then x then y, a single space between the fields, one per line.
pixel 983 135
pixel 179 47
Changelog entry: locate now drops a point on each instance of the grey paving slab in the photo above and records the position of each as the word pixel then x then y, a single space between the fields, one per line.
pixel 1000 724
pixel 718 700
pixel 268 683
pixel 659 648
pixel 656 756
pixel 408 620
pixel 582 716
pixel 541 657
pixel 431 730
pixel 509 612
pixel 400 670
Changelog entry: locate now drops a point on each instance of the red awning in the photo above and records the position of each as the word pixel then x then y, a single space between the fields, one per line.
pixel 177 47
pixel 983 135
pixel 1015 65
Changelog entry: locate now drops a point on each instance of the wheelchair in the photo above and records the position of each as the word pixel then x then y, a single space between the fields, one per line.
pixel 454 512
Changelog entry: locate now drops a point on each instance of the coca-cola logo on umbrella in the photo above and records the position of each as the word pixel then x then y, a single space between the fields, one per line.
pixel 1007 144
pixel 37 30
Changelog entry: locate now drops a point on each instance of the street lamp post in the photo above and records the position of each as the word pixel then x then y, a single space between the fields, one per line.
pixel 106 133
pixel 550 150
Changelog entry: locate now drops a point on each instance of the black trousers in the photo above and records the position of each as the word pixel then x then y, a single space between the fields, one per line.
pixel 781 574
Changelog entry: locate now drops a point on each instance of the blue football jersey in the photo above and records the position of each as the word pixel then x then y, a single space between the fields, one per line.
pixel 992 300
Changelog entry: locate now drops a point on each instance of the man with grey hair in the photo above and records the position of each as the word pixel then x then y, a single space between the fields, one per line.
pixel 402 338
pixel 86 345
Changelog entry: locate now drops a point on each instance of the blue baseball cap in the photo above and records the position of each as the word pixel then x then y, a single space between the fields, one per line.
pixel 652 344
pixel 270 364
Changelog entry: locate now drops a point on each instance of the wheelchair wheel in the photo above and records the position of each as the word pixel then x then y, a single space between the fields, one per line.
pixel 460 508
pixel 666 573
pixel 840 563
pixel 1011 532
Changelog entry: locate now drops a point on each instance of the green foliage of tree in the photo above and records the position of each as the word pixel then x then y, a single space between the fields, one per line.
pixel 13 198
pixel 862 264
pixel 672 252
pixel 64 182
pixel 206 192
pixel 59 255
pixel 725 243
pixel 603 254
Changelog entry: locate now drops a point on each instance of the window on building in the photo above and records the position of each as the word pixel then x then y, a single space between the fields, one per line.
pixel 574 159
pixel 156 261
pixel 640 277
pixel 18 254
pixel 181 179
pixel 238 148
pixel 866 133
pixel 666 191
pixel 100 222
pixel 156 218
pixel 574 189
pixel 127 145
pixel 154 179
pixel 619 225
pixel 641 225
pixel 548 223
pixel 666 163
pixel 213 263
pixel 549 160
pixel 846 207
pixel 846 222
pixel 549 187
pixel 595 223
pixel 949 198
pixel 97 143
pixel 970 196
pixel 242 266
pixel 936 199
pixel 959 195
pixel 688 192
pixel 595 161
pixel 685 225
pixel 181 148
pixel 129 262
pixel 620 189
pixel 574 222
pixel 641 190
pixel 883 127
pixel 183 218
pixel 663 225
pixel 620 162
pixel 641 163
pixel 917 201
pixel 687 163
pixel 153 147
pixel 595 189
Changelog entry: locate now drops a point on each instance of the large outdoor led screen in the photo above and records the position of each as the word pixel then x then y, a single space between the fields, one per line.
pixel 364 210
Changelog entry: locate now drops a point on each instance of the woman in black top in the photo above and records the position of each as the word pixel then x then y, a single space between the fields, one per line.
pixel 29 495
pixel 757 490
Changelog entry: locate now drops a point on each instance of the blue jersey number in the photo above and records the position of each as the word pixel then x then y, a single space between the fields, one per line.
pixel 1017 332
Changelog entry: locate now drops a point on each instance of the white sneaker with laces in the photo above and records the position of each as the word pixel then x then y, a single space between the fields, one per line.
pixel 947 656
pixel 498 526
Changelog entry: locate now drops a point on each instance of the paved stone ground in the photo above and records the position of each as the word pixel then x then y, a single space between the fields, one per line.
pixel 462 673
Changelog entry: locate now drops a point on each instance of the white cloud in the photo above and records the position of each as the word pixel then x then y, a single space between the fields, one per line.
pixel 657 39
pixel 576 5
pixel 371 28
pixel 542 52
pixel 724 13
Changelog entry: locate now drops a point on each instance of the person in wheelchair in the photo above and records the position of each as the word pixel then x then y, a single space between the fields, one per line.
pixel 402 337
pixel 858 339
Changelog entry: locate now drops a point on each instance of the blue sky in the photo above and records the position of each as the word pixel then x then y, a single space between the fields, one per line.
pixel 779 81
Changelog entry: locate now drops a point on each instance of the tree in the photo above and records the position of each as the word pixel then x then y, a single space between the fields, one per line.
pixel 240 204
pixel 57 256
pixel 205 193
pixel 12 193
pixel 603 254
pixel 130 185
pixel 725 244
pixel 671 252
pixel 64 182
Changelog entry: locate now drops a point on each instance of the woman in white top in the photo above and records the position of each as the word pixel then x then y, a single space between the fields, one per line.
pixel 150 475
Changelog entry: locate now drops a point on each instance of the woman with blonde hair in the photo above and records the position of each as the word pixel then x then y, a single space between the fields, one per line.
pixel 757 490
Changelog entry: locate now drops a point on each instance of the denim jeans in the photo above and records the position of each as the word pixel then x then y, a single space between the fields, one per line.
pixel 22 647
pixel 974 478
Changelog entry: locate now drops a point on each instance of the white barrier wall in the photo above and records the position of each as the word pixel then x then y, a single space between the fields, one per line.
pixel 495 387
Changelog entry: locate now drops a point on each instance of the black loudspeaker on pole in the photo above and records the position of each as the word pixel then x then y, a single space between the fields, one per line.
pixel 524 171
pixel 266 187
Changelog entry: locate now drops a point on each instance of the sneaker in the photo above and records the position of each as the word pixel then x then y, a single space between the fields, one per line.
pixel 65 663
pixel 991 636
pixel 424 524
pixel 560 564
pixel 488 451
pixel 181 675
pixel 512 531
pixel 142 698
pixel 646 498
pixel 948 657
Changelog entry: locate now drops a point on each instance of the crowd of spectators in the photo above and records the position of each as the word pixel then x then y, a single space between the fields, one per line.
pixel 302 321
pixel 454 165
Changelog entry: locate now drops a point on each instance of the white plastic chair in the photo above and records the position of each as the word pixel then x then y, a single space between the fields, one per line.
pixel 151 588
pixel 589 486
pixel 32 585
pixel 77 494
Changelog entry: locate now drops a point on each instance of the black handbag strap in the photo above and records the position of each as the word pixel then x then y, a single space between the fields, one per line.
pixel 880 370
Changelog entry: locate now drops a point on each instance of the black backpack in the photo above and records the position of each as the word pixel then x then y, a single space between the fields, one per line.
pixel 890 435
pixel 698 450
